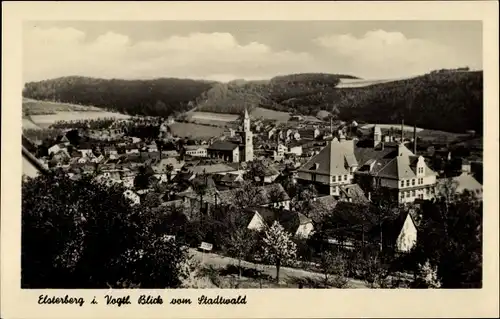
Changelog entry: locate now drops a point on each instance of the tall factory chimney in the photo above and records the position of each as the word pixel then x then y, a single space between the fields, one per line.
pixel 415 139
pixel 402 131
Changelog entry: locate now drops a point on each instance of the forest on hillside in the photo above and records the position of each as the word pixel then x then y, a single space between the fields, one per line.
pixel 446 101
pixel 159 97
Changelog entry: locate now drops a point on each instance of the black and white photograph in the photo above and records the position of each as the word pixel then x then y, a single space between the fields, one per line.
pixel 252 154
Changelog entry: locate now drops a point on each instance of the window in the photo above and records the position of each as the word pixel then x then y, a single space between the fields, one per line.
pixel 402 195
pixel 412 193
pixel 334 179
pixel 421 196
pixel 345 177
pixel 407 183
pixel 407 194
pixel 427 191
pixel 402 183
pixel 413 182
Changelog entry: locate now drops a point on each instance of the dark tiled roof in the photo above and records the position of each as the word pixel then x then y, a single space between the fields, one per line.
pixel 334 159
pixel 355 193
pixel 223 146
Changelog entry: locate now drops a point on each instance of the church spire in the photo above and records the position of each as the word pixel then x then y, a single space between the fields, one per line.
pixel 246 121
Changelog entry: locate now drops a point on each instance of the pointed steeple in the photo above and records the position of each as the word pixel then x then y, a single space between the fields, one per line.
pixel 246 121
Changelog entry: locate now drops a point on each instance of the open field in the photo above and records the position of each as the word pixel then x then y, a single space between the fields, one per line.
pixel 34 107
pixel 44 121
pixel 356 83
pixel 270 114
pixel 438 136
pixel 195 130
pixel 42 114
pixel 213 116
pixel 209 118
pixel 407 128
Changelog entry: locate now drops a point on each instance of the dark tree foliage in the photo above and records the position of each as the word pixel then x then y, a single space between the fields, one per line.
pixel 143 179
pixel 448 101
pixel 81 234
pixel 451 238
pixel 159 97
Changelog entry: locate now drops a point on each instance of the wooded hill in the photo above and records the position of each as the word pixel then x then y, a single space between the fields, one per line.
pixel 448 101
pixel 159 97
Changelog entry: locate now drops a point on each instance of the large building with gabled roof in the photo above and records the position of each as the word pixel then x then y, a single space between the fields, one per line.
pixel 397 169
pixel 331 168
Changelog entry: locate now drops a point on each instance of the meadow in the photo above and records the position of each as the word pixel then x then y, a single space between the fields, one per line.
pixel 196 131
pixel 279 116
pixel 42 114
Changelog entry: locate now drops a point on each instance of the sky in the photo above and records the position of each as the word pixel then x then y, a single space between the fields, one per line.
pixel 227 50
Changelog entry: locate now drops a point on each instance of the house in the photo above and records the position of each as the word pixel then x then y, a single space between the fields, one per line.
pixel 131 149
pixel 400 233
pixel 229 180
pixel 167 168
pixel 171 153
pixel 270 174
pixel 227 151
pixel 132 196
pixel 353 194
pixel 459 184
pixel 152 147
pixel 110 150
pixel 296 223
pixel 308 134
pixel 230 132
pixel 272 196
pixel 332 167
pixel 270 132
pixel 219 168
pixel 279 153
pixel 396 169
pixel 297 150
pixel 86 151
pixel 196 150
pixel 54 149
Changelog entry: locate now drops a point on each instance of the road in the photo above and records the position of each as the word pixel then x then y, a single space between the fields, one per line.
pixel 285 272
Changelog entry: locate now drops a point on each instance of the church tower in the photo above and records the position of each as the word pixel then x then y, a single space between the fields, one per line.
pixel 377 136
pixel 247 138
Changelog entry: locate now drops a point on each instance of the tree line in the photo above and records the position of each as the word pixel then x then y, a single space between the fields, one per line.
pixel 65 223
pixel 159 97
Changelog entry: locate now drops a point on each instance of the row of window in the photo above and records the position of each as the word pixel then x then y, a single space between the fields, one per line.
pixel 334 178
pixel 195 152
pixel 420 182
pixel 412 193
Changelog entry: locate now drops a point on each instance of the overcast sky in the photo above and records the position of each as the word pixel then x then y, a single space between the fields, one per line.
pixel 226 50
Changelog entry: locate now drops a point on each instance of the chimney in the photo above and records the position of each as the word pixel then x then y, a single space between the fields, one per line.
pixel 415 139
pixel 402 130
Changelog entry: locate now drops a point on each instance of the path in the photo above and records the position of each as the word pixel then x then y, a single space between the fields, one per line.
pixel 285 272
